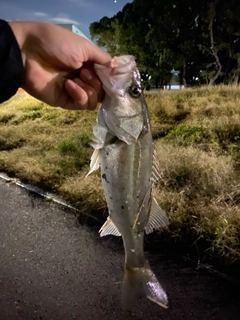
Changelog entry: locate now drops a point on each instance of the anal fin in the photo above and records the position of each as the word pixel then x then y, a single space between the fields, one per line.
pixel 109 228
pixel 157 218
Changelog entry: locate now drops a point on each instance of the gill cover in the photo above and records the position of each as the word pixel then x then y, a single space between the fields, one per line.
pixel 122 111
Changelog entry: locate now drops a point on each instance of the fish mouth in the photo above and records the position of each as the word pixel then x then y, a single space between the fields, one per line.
pixel 122 67
pixel 116 63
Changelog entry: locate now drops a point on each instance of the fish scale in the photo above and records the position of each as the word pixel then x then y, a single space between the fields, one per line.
pixel 125 153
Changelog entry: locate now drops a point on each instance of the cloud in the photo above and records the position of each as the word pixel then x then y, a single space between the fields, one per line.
pixel 40 14
pixel 84 4
pixel 63 18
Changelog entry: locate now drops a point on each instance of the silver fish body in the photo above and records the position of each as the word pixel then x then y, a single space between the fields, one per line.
pixel 125 153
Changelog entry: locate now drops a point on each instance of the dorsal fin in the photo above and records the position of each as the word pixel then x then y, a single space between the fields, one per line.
pixel 142 216
pixel 156 173
pixel 109 228
pixel 157 218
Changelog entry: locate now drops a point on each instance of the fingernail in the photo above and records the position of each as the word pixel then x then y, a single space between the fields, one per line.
pixel 90 93
pixel 71 84
pixel 85 73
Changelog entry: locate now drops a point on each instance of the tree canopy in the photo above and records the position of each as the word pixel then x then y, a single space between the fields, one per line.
pixel 201 39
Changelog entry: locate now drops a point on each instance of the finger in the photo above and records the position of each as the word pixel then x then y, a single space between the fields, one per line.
pixel 92 97
pixel 90 77
pixel 83 96
pixel 78 95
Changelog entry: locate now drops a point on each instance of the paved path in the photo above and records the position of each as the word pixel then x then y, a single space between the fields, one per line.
pixel 52 268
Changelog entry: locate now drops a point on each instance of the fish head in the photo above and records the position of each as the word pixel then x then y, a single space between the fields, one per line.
pixel 123 111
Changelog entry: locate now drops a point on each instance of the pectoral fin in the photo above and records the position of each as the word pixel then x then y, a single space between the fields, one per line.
pixel 95 161
pixel 157 218
pixel 109 228
pixel 100 132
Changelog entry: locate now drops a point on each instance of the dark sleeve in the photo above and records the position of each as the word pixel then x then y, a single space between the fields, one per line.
pixel 11 65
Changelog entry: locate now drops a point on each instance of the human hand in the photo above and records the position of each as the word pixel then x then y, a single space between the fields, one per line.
pixel 51 55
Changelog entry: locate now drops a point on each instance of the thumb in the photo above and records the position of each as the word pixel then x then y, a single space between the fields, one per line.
pixel 95 54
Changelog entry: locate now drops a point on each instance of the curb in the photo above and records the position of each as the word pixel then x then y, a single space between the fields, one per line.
pixel 47 195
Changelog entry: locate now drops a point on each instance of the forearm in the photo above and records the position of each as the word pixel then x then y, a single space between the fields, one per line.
pixel 11 62
pixel 20 31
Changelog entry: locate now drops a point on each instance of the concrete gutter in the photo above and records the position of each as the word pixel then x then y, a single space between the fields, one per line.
pixel 47 195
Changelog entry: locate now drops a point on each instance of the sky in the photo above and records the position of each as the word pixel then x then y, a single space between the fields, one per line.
pixel 78 12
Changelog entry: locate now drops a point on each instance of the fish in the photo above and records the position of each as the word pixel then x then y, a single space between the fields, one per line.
pixel 124 152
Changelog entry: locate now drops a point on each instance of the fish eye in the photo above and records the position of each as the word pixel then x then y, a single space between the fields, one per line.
pixel 135 91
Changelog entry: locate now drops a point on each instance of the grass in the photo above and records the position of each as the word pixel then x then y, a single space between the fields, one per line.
pixel 197 138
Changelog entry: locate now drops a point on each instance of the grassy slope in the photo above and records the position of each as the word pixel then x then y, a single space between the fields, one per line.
pixel 197 138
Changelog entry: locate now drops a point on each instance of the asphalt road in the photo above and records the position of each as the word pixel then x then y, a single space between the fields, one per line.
pixel 53 268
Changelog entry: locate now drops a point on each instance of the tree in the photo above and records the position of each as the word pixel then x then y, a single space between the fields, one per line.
pixel 200 38
pixel 106 33
pixel 231 37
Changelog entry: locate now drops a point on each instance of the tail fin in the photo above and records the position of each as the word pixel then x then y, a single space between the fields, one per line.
pixel 142 282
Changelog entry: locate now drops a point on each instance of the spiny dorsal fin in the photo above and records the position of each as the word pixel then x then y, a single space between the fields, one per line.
pixel 109 228
pixel 156 173
pixel 95 161
pixel 157 218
